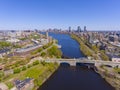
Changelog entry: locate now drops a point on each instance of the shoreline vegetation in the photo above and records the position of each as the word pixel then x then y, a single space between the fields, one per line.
pixel 38 70
pixel 112 79
pixel 85 50
pixel 90 51
pixel 50 50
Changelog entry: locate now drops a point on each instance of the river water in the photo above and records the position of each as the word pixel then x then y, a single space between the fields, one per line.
pixel 73 78
pixel 70 47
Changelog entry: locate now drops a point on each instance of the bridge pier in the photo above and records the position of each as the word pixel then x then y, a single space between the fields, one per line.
pixel 73 64
pixel 116 66
pixel 97 64
pixel 88 66
pixel 111 64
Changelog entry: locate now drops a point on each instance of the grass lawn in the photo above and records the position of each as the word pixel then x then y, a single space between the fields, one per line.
pixel 38 73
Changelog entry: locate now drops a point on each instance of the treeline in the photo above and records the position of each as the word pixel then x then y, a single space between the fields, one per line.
pixel 42 48
pixel 23 68
pixel 15 62
pixel 53 52
pixel 4 44
pixel 85 50
pixel 90 50
pixel 38 70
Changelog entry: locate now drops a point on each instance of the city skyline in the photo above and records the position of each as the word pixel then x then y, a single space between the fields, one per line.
pixel 45 14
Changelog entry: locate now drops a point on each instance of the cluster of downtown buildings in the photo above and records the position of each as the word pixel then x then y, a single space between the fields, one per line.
pixel 109 41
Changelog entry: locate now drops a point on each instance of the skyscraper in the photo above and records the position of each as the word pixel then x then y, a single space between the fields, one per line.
pixel 85 29
pixel 46 34
pixel 69 29
pixel 79 29
pixel 47 37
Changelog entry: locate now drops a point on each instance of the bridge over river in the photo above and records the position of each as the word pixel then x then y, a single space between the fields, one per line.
pixel 73 62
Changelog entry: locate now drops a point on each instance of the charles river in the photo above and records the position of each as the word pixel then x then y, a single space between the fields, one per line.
pixel 73 78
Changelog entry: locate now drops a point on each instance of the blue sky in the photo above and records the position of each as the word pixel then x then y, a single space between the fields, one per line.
pixel 43 14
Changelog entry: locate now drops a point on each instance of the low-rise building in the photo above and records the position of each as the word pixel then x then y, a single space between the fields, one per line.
pixel 4 52
pixel 116 59
pixel 3 86
pixel 26 84
pixel 44 41
pixel 8 72
pixel 13 40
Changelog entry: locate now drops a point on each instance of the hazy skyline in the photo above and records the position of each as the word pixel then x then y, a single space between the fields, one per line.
pixel 44 14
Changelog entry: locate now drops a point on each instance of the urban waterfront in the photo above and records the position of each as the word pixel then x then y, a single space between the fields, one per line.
pixel 73 78
pixel 59 45
pixel 70 48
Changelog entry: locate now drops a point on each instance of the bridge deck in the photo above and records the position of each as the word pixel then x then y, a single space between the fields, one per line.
pixel 74 61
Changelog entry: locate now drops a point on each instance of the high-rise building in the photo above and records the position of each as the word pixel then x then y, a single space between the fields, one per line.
pixel 69 29
pixel 79 29
pixel 47 37
pixel 85 29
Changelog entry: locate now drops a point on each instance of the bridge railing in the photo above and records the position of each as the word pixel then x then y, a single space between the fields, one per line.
pixel 82 60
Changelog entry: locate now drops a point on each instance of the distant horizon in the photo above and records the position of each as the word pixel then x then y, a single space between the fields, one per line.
pixel 57 29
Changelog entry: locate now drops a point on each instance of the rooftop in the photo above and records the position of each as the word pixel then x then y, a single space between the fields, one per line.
pixel 4 51
pixel 19 84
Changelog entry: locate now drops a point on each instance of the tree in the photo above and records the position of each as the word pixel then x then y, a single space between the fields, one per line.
pixel 104 56
pixel 4 44
pixel 29 65
pixel 1 75
pixel 24 68
pixel 43 54
pixel 17 70
pixel 94 47
pixel 54 51
pixel 43 63
pixel 40 49
pixel 85 50
pixel 36 62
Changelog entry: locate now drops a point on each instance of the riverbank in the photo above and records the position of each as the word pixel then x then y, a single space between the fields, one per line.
pixel 85 49
pixel 70 47
pixel 112 78
pixel 75 78
pixel 89 50
pixel 38 71
pixel 51 68
pixel 51 50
